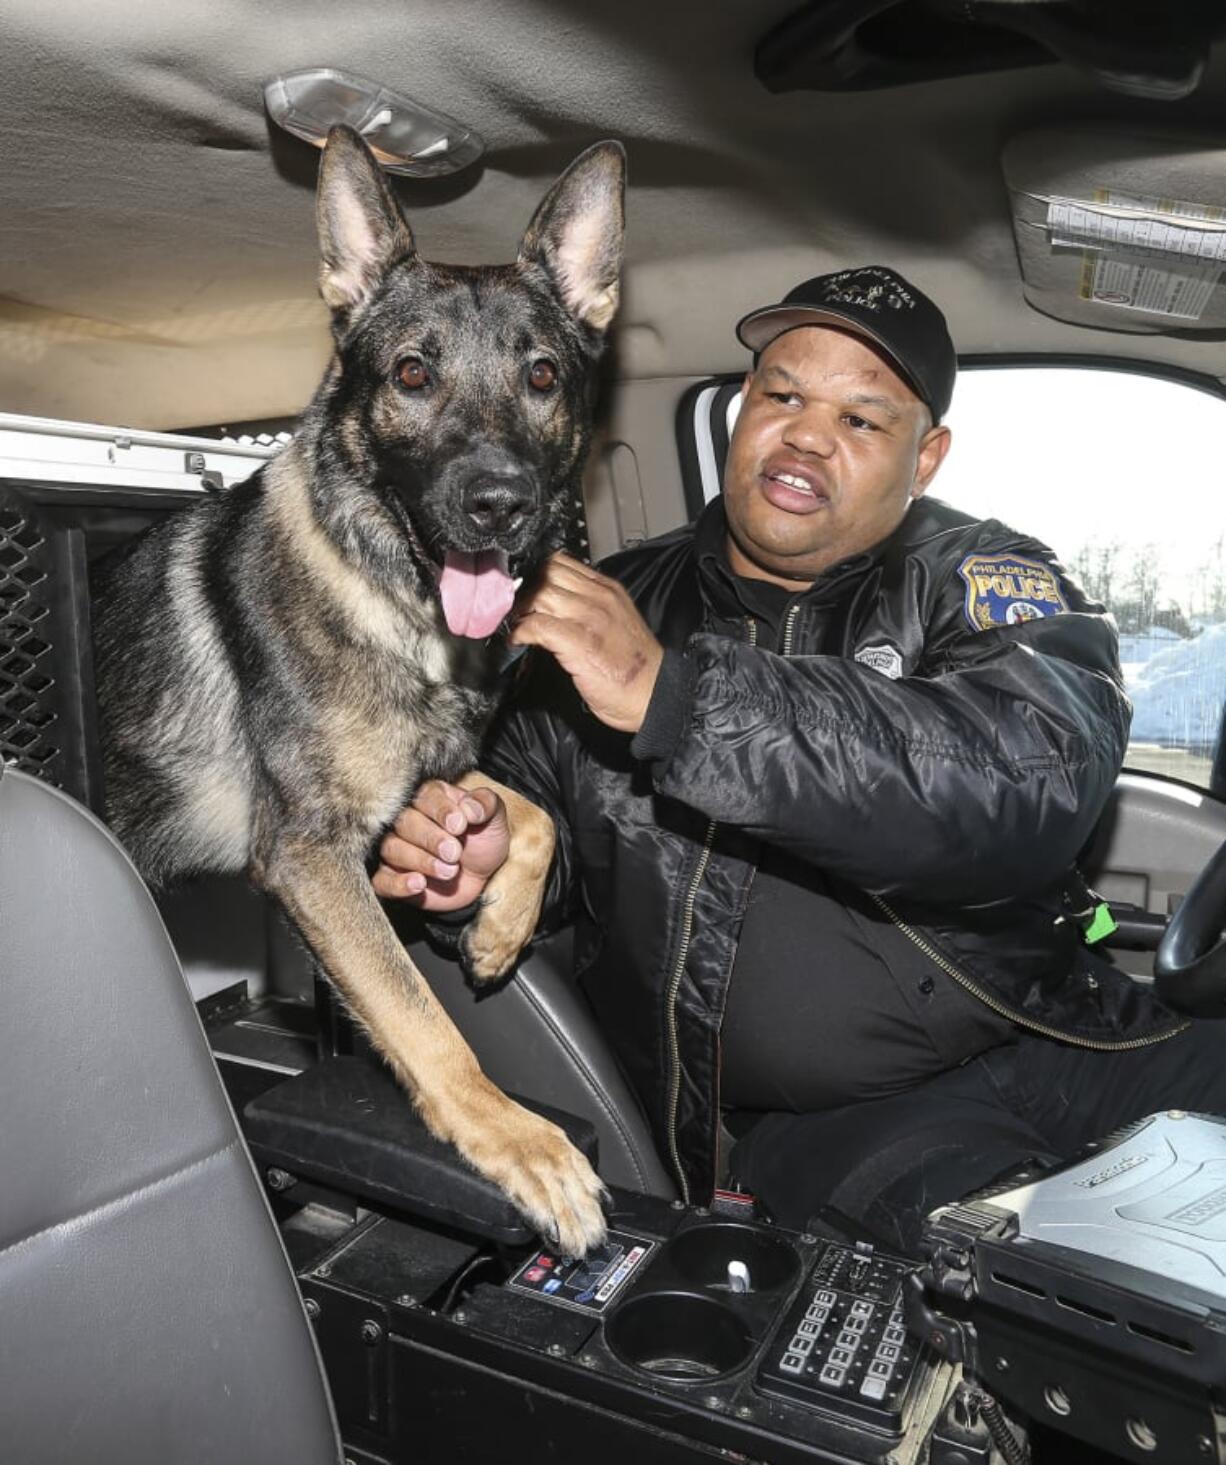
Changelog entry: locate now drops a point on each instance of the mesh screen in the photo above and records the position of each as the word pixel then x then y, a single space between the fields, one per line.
pixel 46 673
pixel 29 711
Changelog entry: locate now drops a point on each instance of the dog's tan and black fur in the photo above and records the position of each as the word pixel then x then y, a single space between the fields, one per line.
pixel 275 674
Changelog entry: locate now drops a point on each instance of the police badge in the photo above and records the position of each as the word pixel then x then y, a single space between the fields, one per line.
pixel 1005 590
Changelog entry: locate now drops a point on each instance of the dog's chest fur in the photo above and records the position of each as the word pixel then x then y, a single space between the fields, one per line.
pixel 389 700
pixel 282 693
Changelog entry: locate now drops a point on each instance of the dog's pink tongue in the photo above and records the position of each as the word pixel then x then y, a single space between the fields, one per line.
pixel 476 593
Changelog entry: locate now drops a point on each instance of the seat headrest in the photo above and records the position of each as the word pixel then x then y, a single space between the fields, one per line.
pixel 705 418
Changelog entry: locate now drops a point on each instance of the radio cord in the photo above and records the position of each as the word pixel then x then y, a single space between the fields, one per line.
pixel 998 1427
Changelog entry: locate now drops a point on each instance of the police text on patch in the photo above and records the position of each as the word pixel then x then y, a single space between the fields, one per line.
pixel 1005 590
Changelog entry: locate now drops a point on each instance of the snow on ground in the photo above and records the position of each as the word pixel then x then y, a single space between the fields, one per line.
pixel 1178 692
pixel 1136 650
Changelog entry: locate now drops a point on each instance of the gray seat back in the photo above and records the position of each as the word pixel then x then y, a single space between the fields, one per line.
pixel 537 1037
pixel 147 1308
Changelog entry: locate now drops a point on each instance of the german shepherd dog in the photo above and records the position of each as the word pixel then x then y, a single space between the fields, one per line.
pixel 281 665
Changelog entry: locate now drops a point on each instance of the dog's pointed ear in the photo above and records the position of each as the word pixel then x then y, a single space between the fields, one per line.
pixel 577 233
pixel 362 232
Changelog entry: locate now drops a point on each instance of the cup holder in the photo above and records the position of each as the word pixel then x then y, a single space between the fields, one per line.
pixel 703 1254
pixel 676 1335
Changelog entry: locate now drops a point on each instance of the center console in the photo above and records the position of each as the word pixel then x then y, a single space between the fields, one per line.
pixel 449 1332
pixel 687 1338
pixel 1087 1300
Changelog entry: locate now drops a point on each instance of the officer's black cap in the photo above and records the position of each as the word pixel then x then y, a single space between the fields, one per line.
pixel 879 305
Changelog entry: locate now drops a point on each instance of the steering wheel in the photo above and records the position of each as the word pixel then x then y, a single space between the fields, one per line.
pixel 1190 963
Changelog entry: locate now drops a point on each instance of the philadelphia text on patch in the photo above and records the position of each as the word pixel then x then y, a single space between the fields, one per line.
pixel 1004 590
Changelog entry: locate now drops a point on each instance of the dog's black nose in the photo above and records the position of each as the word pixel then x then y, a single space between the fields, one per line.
pixel 497 505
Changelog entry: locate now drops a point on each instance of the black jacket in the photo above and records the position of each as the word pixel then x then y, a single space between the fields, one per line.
pixel 952 773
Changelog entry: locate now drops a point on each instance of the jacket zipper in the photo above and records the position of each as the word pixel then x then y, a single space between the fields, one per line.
pixel 1101 1045
pixel 674 986
pixel 674 1054
pixel 788 624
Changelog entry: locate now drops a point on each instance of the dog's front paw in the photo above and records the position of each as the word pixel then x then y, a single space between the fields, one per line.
pixel 550 1183
pixel 495 936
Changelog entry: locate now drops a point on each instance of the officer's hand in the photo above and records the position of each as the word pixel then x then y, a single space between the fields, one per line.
pixel 444 847
pixel 593 628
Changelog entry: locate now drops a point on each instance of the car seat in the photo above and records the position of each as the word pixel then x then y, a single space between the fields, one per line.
pixel 149 1310
pixel 536 1036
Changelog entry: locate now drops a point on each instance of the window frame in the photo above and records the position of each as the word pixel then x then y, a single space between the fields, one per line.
pixel 1128 365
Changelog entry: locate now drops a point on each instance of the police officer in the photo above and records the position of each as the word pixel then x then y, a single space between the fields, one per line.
pixel 821 764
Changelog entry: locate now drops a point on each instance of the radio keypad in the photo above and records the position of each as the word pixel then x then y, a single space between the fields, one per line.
pixel 843 1346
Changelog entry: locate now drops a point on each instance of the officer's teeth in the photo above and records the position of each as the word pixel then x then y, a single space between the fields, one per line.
pixel 791 482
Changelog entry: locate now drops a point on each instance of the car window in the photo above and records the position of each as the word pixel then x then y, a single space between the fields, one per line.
pixel 1122 475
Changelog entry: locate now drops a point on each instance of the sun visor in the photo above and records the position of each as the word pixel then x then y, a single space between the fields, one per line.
pixel 1120 231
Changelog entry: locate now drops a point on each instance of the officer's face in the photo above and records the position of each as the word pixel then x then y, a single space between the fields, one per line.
pixel 830 447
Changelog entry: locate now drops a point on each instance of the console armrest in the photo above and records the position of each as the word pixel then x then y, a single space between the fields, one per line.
pixel 346 1123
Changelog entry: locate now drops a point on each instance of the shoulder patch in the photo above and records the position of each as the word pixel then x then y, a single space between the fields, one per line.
pixel 1004 590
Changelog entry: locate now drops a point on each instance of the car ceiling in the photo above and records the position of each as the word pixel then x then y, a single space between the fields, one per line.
pixel 157 249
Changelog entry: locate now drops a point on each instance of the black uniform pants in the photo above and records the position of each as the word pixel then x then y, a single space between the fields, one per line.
pixel 888 1162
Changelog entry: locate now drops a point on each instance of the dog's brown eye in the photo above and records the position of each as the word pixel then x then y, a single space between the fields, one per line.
pixel 413 374
pixel 543 375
